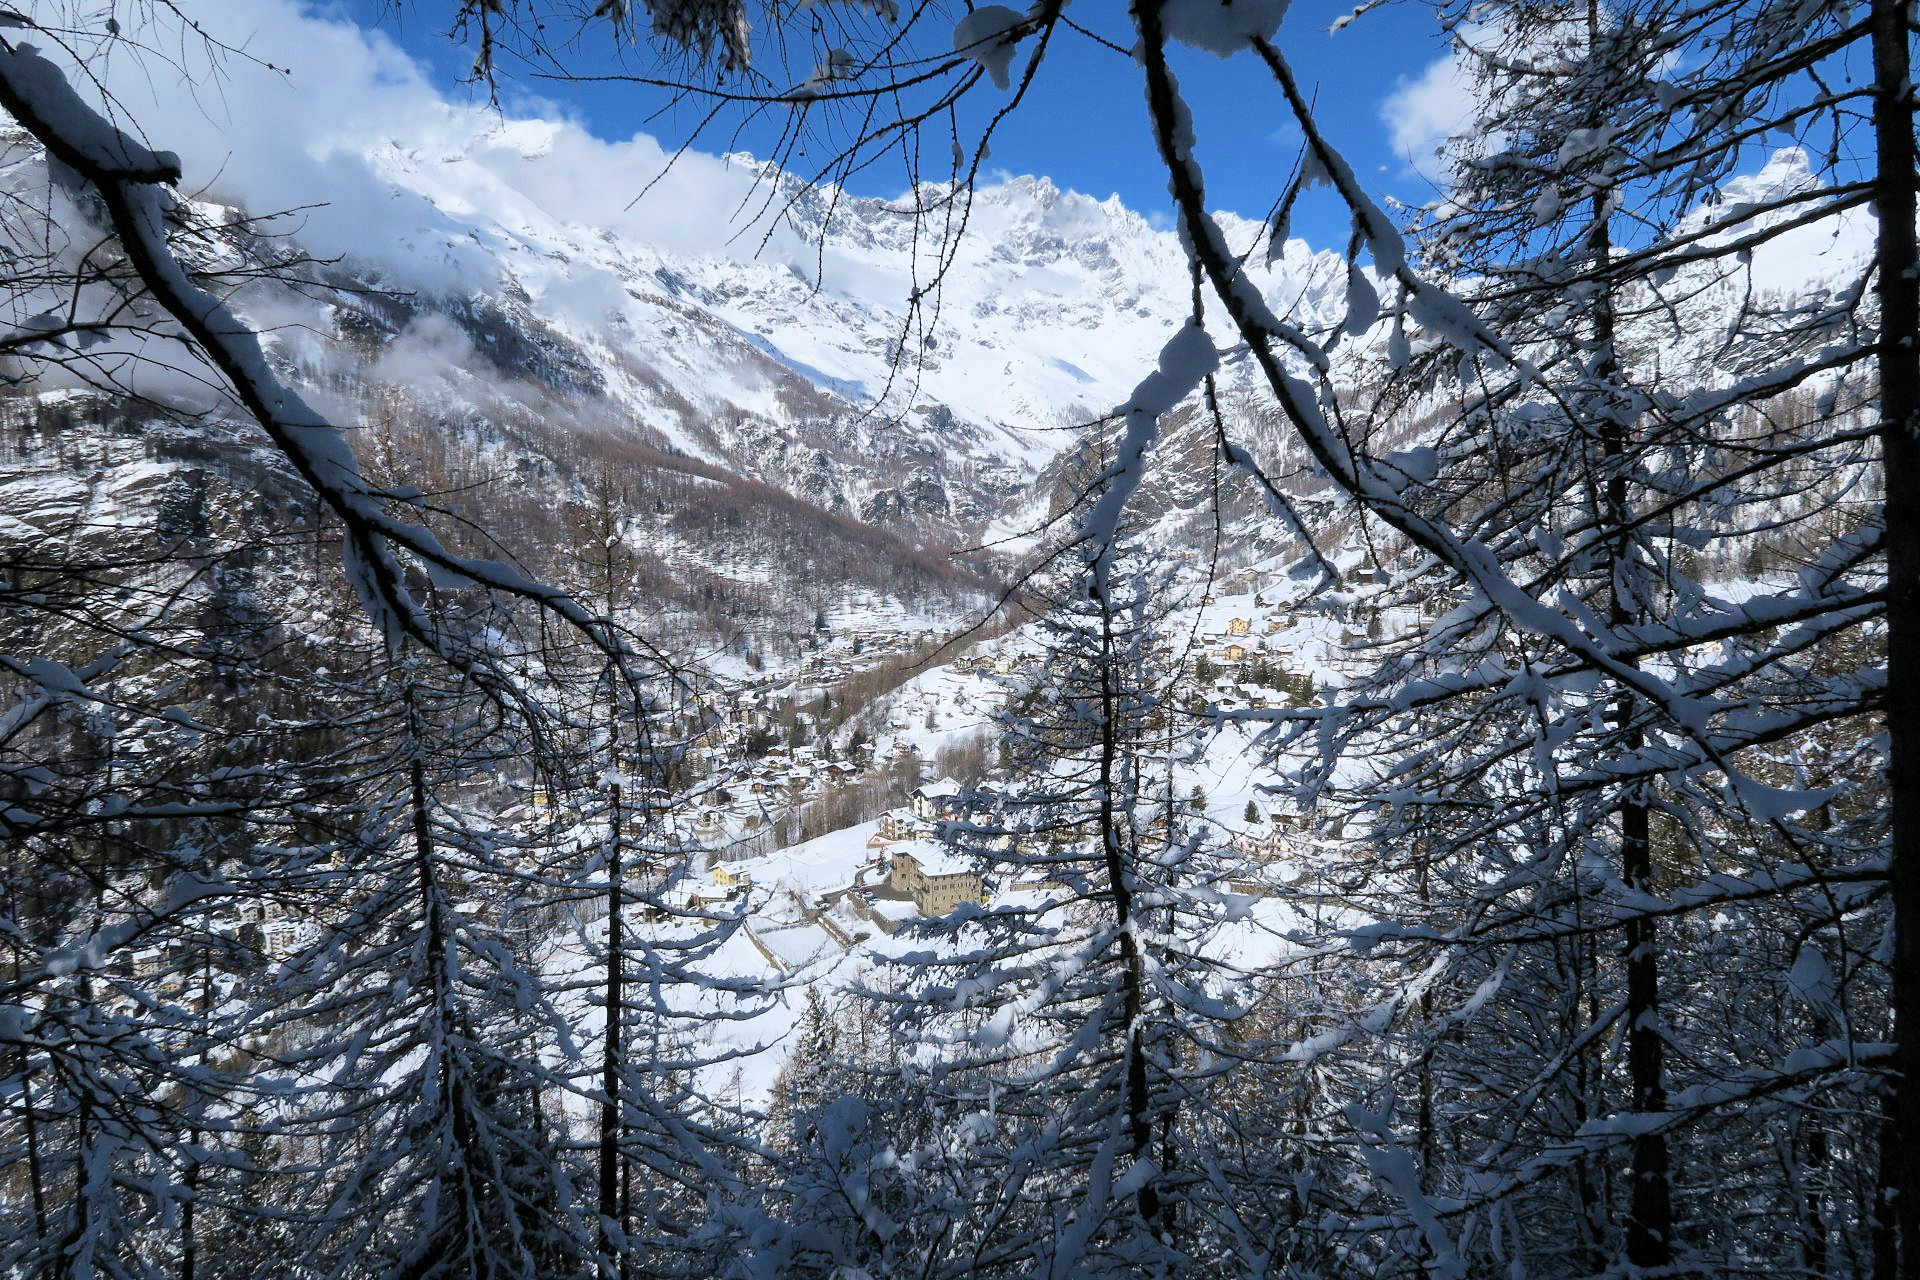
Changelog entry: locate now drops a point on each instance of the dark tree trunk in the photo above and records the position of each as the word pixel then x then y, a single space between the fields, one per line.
pixel 36 1172
pixel 453 1091
pixel 1650 1211
pixel 1898 1209
pixel 29 1123
pixel 1650 1199
pixel 611 1183
pixel 615 1178
pixel 1133 971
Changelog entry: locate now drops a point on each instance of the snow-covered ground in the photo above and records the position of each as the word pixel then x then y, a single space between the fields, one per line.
pixel 813 920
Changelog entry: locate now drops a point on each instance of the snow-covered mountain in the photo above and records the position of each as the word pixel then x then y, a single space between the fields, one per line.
pixel 860 385
pixel 866 355
pixel 805 423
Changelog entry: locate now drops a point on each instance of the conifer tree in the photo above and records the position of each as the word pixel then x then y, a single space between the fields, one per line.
pixel 1618 758
pixel 1062 1038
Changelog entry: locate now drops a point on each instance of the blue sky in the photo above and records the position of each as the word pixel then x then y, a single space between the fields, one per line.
pixel 1084 125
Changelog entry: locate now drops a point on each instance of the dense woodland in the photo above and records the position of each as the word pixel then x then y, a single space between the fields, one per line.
pixel 1614 969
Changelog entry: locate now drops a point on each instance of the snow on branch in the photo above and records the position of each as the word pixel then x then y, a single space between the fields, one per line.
pixel 131 180
pixel 1185 361
pixel 1379 488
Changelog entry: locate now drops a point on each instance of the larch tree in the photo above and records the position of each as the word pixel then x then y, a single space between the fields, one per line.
pixel 1586 768
pixel 211 783
pixel 1600 745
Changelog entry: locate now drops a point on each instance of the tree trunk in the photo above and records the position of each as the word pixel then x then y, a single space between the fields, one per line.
pixel 1898 1209
pixel 29 1123
pixel 1133 967
pixel 612 1185
pixel 1650 1201
pixel 1650 1209
pixel 36 1172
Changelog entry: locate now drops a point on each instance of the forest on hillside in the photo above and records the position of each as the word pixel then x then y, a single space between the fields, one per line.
pixel 359 764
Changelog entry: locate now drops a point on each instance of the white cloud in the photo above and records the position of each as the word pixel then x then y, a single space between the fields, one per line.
pixel 445 196
pixel 356 127
pixel 1423 113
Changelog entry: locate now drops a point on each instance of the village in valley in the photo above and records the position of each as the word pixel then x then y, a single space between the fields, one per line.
pixel 916 807
pixel 832 831
pixel 826 835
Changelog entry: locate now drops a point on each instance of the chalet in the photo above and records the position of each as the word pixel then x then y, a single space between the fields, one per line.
pixel 151 962
pixel 937 879
pixel 1289 830
pixel 1262 842
pixel 1253 888
pixel 1239 626
pixel 1035 880
pixel 898 824
pixel 1234 653
pixel 695 897
pixel 936 800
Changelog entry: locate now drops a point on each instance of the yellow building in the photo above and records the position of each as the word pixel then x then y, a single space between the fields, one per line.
pixel 936 879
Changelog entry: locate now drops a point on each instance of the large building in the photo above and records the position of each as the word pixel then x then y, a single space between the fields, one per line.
pixel 937 879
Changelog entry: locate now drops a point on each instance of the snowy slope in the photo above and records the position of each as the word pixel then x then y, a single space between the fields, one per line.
pixel 933 372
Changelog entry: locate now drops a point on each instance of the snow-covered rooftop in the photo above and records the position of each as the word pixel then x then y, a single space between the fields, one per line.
pixel 938 860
